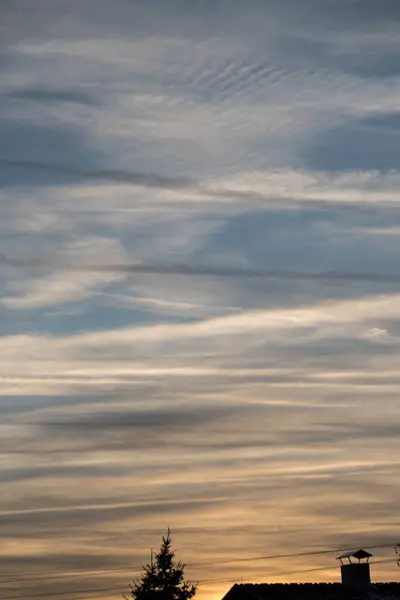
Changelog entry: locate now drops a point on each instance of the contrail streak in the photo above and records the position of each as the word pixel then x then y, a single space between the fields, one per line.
pixel 201 271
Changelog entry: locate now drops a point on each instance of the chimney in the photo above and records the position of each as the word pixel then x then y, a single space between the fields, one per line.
pixel 357 573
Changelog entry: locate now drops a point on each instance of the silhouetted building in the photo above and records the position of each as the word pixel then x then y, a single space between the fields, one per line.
pixel 356 585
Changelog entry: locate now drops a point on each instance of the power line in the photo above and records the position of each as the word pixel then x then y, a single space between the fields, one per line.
pixel 292 555
pixel 114 591
pixel 285 573
pixel 70 574
pixel 133 568
pixel 48 594
pixel 119 593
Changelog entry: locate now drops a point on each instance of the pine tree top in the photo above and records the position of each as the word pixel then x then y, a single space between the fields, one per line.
pixel 163 578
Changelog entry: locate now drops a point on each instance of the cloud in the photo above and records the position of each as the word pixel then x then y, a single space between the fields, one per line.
pixel 162 306
pixel 150 180
pixel 58 289
pixel 199 287
pixel 246 345
pixel 52 95
pixel 283 187
pixel 339 313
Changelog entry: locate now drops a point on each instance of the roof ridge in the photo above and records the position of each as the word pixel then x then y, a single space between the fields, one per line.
pixel 295 583
pixel 322 584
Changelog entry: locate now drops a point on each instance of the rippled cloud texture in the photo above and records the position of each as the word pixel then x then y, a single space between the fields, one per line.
pixel 253 415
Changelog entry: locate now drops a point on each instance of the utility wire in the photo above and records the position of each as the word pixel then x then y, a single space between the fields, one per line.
pixel 51 575
pixel 71 574
pixel 291 555
pixel 108 594
pixel 118 591
pixel 48 594
pixel 332 568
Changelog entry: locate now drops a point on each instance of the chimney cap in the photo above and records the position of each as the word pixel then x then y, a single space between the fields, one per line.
pixel 358 554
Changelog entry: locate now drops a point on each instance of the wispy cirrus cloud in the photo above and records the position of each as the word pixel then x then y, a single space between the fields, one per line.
pixel 57 289
pixel 152 156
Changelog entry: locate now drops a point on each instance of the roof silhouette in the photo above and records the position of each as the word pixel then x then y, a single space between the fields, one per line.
pixel 313 591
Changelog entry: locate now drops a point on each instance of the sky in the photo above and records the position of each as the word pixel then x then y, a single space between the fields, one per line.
pixel 200 289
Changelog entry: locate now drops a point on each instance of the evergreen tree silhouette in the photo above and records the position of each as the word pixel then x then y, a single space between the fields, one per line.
pixel 163 579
